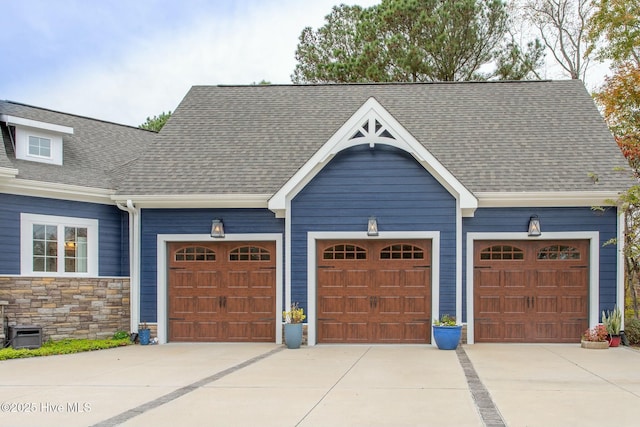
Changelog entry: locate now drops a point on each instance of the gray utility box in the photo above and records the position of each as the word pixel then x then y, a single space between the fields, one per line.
pixel 21 336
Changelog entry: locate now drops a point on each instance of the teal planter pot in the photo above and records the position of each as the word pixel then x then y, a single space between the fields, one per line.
pixel 293 335
pixel 447 337
pixel 144 335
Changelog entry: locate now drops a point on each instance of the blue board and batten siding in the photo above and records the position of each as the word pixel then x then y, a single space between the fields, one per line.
pixel 383 182
pixel 190 221
pixel 501 220
pixel 113 230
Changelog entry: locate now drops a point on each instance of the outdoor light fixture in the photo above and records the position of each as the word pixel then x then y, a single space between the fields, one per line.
pixel 372 226
pixel 534 226
pixel 217 228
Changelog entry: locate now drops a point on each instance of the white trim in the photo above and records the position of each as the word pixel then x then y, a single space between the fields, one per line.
pixel 545 198
pixel 594 267
pixel 8 173
pixel 19 121
pixel 196 200
pixel 27 221
pixel 620 267
pixel 53 190
pixel 162 290
pixel 341 140
pixel 313 237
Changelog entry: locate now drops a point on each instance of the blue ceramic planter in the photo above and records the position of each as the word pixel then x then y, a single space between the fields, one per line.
pixel 144 335
pixel 447 337
pixel 293 335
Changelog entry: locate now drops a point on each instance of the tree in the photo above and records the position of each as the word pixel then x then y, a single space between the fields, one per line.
pixel 410 41
pixel 616 25
pixel 156 123
pixel 562 24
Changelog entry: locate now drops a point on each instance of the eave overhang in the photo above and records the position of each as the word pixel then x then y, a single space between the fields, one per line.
pixel 222 201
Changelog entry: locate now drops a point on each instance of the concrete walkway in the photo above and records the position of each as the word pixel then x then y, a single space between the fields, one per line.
pixel 269 385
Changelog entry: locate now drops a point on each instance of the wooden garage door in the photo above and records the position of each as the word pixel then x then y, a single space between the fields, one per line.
pixel 531 291
pixel 222 291
pixel 374 291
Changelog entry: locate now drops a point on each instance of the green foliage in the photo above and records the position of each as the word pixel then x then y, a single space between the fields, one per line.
pixel 632 330
pixel 156 123
pixel 410 41
pixel 120 335
pixel 67 346
pixel 612 320
pixel 446 320
pixel 618 23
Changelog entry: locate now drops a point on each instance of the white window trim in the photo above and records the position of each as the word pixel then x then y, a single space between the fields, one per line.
pixel 26 244
pixel 40 138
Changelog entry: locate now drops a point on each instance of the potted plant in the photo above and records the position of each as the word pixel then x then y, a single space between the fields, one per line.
pixel 446 332
pixel 144 333
pixel 612 320
pixel 595 338
pixel 293 326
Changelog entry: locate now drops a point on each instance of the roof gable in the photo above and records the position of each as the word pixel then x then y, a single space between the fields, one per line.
pixel 372 124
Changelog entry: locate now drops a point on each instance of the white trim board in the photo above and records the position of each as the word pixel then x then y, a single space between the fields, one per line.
pixel 313 237
pixel 162 289
pixel 594 267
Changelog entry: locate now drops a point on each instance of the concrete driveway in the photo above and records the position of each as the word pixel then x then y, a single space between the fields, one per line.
pixel 355 385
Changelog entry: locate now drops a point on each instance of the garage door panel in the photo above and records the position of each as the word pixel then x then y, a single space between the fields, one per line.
pixel 390 305
pixel 237 305
pixel 263 305
pixel 389 279
pixel 331 331
pixel 417 278
pixel 514 305
pixel 488 304
pixel 262 331
pixel 357 305
pixel 328 279
pixel 390 332
pixel 543 287
pixel 358 332
pixel 331 305
pixel 207 280
pixel 206 331
pixel 356 279
pixel 514 331
pixel 262 280
pixel 207 305
pixel 238 331
pixel 183 279
pixel 183 305
pixel 416 305
pixel 238 280
pixel 181 330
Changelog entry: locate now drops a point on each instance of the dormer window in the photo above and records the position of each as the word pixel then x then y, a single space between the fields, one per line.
pixel 40 147
pixel 37 141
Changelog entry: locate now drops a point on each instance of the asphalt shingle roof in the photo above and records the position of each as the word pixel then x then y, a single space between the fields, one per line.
pixel 493 136
pixel 91 155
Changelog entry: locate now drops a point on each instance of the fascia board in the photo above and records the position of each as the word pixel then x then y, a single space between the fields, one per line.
pixel 195 200
pixel 50 190
pixel 340 141
pixel 19 121
pixel 545 199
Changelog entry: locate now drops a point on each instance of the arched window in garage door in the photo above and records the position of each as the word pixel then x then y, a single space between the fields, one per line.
pixel 344 252
pixel 502 252
pixel 249 253
pixel 195 253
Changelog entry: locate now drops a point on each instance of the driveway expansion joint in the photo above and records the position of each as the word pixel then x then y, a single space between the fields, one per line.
pixel 489 413
pixel 139 410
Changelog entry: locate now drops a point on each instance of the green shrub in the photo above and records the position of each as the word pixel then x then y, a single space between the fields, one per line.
pixel 120 335
pixel 632 330
pixel 67 346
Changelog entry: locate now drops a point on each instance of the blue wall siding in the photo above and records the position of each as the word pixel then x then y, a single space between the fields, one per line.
pixel 112 225
pixel 383 182
pixel 554 220
pixel 190 221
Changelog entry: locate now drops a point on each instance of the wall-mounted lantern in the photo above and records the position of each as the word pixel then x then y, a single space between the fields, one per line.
pixel 534 226
pixel 217 228
pixel 372 226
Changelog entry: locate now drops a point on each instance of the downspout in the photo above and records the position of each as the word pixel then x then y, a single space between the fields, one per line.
pixel 134 264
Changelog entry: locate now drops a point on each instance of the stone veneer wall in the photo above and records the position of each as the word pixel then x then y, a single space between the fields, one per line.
pixel 68 307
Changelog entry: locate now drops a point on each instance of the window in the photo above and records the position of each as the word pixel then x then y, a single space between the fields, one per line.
pixel 401 251
pixel 40 147
pixel 345 252
pixel 502 252
pixel 558 252
pixel 195 253
pixel 249 253
pixel 58 246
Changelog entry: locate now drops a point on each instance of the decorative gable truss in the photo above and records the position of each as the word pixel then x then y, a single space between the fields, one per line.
pixel 36 141
pixel 372 124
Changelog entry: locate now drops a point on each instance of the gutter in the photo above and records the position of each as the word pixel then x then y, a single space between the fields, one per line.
pixel 134 262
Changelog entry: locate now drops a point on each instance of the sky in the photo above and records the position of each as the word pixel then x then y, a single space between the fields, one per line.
pixel 126 60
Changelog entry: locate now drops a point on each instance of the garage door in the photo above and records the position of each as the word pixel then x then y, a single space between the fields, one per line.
pixel 222 291
pixel 531 291
pixel 374 291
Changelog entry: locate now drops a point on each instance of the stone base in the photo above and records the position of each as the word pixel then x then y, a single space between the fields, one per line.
pixel 596 345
